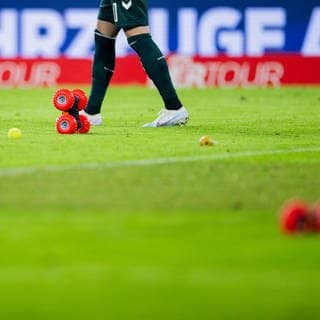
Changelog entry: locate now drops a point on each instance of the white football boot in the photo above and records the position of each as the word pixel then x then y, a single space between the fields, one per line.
pixel 169 118
pixel 94 119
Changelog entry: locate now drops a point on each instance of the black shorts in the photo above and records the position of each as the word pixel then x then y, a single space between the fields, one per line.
pixel 125 14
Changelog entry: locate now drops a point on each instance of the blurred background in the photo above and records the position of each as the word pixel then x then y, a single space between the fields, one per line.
pixel 208 43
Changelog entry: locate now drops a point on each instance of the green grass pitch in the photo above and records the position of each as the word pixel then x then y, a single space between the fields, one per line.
pixel 132 223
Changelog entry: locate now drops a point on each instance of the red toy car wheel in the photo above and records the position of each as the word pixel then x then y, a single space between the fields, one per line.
pixel 66 124
pixel 316 217
pixel 63 99
pixel 295 217
pixel 85 124
pixel 83 99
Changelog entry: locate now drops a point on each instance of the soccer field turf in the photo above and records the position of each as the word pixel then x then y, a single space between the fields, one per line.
pixel 134 223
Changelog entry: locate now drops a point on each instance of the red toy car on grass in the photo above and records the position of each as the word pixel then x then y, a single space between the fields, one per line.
pixel 70 102
pixel 299 217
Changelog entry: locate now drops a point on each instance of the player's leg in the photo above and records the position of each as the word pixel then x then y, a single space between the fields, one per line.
pixel 133 18
pixel 154 64
pixel 103 63
pixel 157 69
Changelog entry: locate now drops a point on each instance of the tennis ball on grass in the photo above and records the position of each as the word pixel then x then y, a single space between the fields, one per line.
pixel 206 141
pixel 14 133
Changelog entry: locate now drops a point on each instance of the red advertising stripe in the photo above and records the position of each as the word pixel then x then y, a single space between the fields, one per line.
pixel 128 70
pixel 51 72
pixel 269 70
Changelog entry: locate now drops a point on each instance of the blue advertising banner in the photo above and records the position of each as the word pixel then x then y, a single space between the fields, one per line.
pixel 52 29
pixel 219 43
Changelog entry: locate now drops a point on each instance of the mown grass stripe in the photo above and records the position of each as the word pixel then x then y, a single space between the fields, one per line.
pixel 17 171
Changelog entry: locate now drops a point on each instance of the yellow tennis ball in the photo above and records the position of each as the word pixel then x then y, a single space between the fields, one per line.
pixel 206 141
pixel 14 133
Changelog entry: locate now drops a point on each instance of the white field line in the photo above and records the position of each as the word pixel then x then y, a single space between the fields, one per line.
pixel 18 171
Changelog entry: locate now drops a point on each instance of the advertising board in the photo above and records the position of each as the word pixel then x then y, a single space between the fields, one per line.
pixel 208 43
